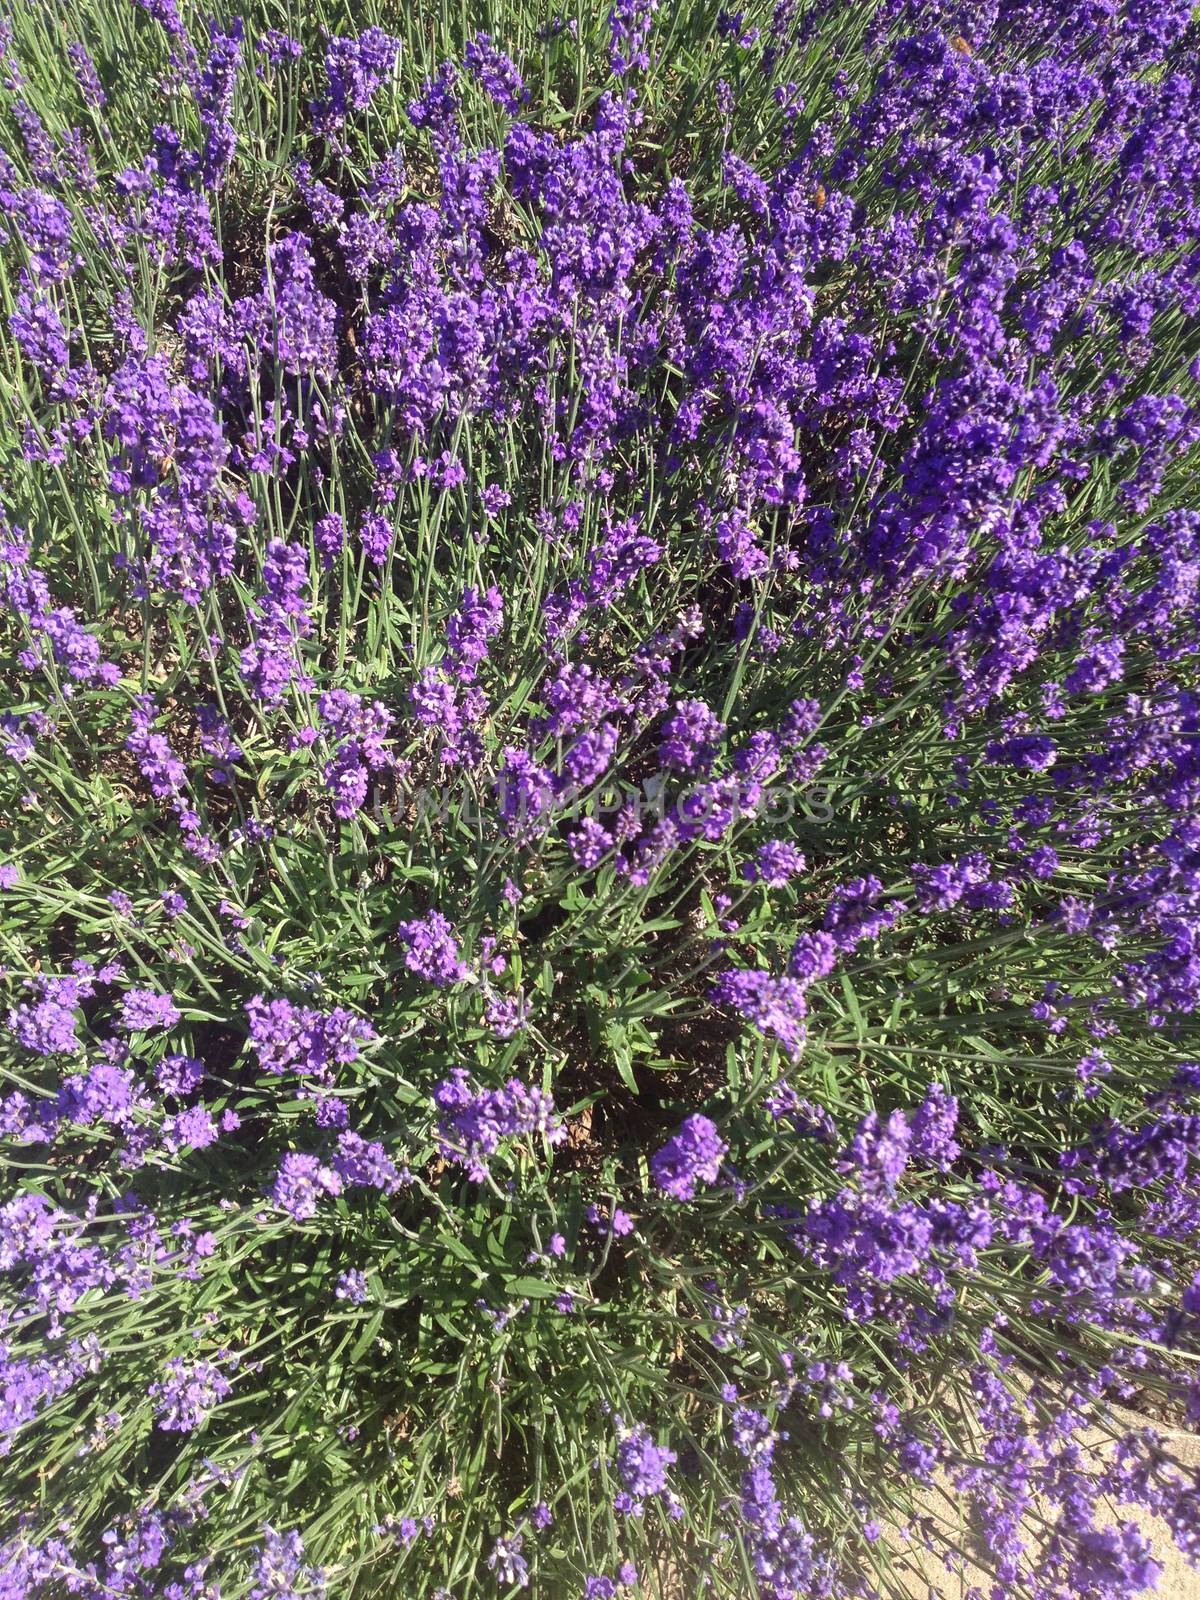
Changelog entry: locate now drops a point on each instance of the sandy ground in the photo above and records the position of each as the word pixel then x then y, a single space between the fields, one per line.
pixel 1177 1582
pixel 923 1577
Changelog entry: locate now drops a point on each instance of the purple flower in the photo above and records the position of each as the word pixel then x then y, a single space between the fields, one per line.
pixel 86 76
pixel 879 1151
pixel 1112 1560
pixel 301 1183
pixel 213 91
pixel 629 24
pixel 47 1026
pixel 329 536
pixel 376 534
pixel 506 1015
pixel 159 765
pixel 355 69
pixel 145 1009
pixel 854 914
pixel 1026 752
pixel 690 1157
pixel 278 47
pixel 643 1464
pixel 187 1393
pixel 352 1286
pixel 193 1129
pixel 278 621
pixel 507 1562
pixel 474 1122
pixel 430 950
pixel 360 734
pixel 364 1163
pixel 290 1038
pixel 814 956
pixel 775 1007
pixel 526 794
pixel 280 1571
pixel 933 1126
pixel 691 737
pixel 332 1112
pixel 25 592
pixel 105 1092
pixel 471 629
pixel 496 72
pixel 774 864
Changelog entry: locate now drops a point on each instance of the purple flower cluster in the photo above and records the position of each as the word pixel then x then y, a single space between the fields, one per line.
pixel 774 1007
pixel 496 72
pixel 430 950
pixel 57 640
pixel 473 1123
pixel 356 68
pixel 47 1024
pixel 143 1010
pixel 690 1157
pixel 186 1393
pixel 290 1038
pixel 644 1469
pixel 358 734
pixel 301 1183
pixel 280 1571
pixel 166 776
pixel 728 541
pixel 278 620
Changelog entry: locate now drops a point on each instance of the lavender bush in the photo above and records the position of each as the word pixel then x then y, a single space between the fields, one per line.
pixel 601 890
